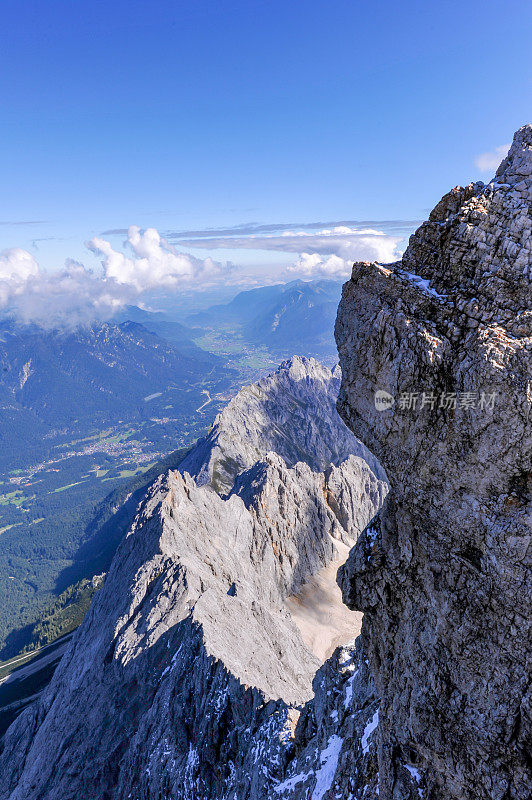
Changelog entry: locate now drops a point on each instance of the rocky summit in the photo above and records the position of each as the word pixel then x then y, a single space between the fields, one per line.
pixel 291 412
pixel 218 661
pixel 444 576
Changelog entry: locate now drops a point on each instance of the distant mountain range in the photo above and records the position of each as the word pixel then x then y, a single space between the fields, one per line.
pixel 296 317
pixel 164 324
pixel 89 377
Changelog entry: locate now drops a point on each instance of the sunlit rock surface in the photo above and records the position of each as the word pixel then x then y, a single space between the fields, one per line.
pixel 444 577
pixel 192 675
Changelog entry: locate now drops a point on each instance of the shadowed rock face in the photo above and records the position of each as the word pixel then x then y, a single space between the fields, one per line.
pixel 444 577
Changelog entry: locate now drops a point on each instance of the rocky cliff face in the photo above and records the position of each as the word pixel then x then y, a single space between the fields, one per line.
pixel 444 577
pixel 193 675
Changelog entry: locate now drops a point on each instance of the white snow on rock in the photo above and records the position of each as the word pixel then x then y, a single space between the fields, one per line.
pixel 368 730
pixel 421 283
pixel 329 761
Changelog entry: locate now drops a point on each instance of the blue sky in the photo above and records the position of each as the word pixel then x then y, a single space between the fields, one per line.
pixel 202 115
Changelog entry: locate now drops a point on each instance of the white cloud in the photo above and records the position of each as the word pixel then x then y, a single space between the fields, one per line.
pixel 335 257
pixel 338 230
pixel 313 265
pixel 374 247
pixel 321 248
pixel 154 263
pixel 147 262
pixel 488 162
pixel 17 266
pixel 68 296
pixel 361 243
pixel 75 294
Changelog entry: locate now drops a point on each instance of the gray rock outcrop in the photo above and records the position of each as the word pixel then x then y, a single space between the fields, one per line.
pixel 291 412
pixel 193 675
pixel 444 575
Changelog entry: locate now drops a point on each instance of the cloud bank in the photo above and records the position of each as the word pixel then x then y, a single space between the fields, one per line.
pixel 154 263
pixel 148 262
pixel 392 226
pixel 328 251
pixel 332 252
pixel 488 162
pixel 75 294
pixel 310 265
pixel 353 241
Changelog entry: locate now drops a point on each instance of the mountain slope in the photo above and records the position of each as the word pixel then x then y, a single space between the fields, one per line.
pixel 160 693
pixel 83 411
pixel 303 315
pixel 293 317
pixel 103 371
pixel 244 307
pixel 163 325
pixel 291 412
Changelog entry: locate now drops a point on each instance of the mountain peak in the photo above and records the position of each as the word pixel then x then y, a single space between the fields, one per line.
pixel 517 166
pixel 291 412
pixel 198 657
pixel 473 256
pixel 300 367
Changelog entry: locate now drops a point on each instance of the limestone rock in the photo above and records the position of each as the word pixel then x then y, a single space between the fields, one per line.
pixel 291 412
pixel 192 676
pixel 444 575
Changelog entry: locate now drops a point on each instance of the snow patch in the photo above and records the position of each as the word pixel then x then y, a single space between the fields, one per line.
pixel 368 730
pixel 349 690
pixel 172 663
pixel 289 783
pixel 413 771
pixel 421 283
pixel 324 775
pixel 372 533
pixel 416 775
pixel 329 762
